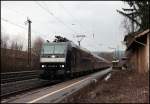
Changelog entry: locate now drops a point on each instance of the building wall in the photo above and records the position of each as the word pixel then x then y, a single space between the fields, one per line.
pixel 143 57
pixel 148 51
pixel 139 57
pixel 132 60
pixel 146 55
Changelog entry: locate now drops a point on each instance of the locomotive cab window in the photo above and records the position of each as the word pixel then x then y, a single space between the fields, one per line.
pixel 59 49
pixel 53 49
pixel 47 49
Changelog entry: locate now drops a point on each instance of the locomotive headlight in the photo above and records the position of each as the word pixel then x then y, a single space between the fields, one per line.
pixel 62 66
pixel 43 66
pixel 53 56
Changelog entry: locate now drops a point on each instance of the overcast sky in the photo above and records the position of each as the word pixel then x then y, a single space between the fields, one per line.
pixel 68 19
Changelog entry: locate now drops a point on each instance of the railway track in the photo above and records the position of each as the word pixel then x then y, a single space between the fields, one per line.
pixel 13 82
pixel 57 92
pixel 12 85
pixel 18 76
pixel 13 88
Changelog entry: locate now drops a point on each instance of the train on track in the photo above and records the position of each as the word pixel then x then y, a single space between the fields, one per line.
pixel 66 59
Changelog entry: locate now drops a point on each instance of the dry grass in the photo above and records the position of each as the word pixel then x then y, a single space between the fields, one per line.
pixel 123 87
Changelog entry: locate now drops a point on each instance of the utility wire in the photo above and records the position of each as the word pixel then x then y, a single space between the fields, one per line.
pixel 22 14
pixel 5 20
pixel 50 13
pixel 75 19
pixel 13 23
pixel 56 17
pixel 17 12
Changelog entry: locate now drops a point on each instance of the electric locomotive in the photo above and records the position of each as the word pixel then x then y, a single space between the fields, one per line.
pixel 65 59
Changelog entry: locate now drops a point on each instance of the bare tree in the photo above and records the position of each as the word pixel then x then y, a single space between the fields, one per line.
pixel 138 16
pixel 4 41
pixel 126 25
pixel 20 47
pixel 37 45
pixel 16 46
pixel 4 46
pixel 12 46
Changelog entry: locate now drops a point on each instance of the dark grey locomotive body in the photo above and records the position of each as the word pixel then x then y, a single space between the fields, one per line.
pixel 67 59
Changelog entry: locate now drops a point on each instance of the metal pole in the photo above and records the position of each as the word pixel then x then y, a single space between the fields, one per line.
pixel 29 42
pixel 117 51
pixel 132 21
pixel 149 50
pixel 115 54
pixel 79 43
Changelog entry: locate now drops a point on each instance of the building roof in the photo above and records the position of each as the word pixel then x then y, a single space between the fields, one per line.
pixel 142 33
pixel 130 39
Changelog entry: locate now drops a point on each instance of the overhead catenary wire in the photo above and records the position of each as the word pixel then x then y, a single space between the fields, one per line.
pixel 47 9
pixel 17 12
pixel 50 13
pixel 59 19
pixel 21 14
pixel 20 26
pixel 73 17
pixel 13 23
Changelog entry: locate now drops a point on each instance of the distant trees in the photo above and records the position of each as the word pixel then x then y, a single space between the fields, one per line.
pixel 13 58
pixel 37 45
pixel 138 13
pixel 4 41
pixel 106 55
pixel 16 46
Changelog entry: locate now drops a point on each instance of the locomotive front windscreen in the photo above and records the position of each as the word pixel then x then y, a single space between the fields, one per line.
pixel 53 49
